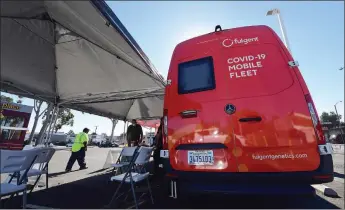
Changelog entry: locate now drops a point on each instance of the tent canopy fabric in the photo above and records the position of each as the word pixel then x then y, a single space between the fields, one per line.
pixel 77 54
pixel 149 123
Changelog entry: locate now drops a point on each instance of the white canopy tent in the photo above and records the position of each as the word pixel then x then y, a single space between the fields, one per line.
pixel 77 54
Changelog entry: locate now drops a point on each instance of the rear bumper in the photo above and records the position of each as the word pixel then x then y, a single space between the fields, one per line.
pixel 216 181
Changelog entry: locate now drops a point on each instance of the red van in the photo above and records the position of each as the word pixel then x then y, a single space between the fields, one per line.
pixel 238 114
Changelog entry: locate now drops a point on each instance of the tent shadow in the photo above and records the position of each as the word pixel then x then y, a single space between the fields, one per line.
pixel 93 192
pixel 51 175
pixel 96 191
pixel 101 170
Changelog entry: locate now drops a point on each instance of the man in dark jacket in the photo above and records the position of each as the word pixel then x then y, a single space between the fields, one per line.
pixel 134 134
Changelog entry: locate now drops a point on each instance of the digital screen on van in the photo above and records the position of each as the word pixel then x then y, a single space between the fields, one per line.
pixel 195 76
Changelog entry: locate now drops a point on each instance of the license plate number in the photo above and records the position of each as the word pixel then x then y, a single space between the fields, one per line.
pixel 204 157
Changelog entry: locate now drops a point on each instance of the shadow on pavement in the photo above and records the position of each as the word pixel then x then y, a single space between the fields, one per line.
pixel 56 174
pixel 339 175
pixel 95 192
pixel 52 175
pixel 100 170
pixel 242 202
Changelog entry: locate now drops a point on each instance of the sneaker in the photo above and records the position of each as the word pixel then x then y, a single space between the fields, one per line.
pixel 68 170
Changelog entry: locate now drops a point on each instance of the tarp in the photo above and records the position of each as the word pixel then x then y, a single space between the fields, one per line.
pixel 149 123
pixel 79 55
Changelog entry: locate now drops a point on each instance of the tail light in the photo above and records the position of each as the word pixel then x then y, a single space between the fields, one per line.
pixel 316 121
pixel 165 129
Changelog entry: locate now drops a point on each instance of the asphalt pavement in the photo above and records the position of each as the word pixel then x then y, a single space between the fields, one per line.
pixel 338 184
pixel 91 188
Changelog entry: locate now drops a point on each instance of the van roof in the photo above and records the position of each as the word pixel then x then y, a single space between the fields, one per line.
pixel 205 37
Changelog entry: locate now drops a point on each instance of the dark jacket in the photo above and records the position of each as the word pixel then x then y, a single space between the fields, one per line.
pixel 159 138
pixel 134 132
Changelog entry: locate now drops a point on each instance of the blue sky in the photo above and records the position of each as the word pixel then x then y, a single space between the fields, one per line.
pixel 315 31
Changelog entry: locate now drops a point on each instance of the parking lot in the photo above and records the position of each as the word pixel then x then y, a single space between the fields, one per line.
pixel 91 188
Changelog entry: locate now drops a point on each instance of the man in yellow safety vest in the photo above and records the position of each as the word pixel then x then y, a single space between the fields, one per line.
pixel 78 150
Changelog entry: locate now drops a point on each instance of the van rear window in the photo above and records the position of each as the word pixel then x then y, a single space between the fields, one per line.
pixel 196 76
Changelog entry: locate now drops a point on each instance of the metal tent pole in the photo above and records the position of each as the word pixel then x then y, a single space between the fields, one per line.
pixel 45 124
pixel 52 125
pixel 49 126
pixel 114 122
pixel 126 129
pixel 124 132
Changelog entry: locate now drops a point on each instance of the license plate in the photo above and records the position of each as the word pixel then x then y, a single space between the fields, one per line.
pixel 204 157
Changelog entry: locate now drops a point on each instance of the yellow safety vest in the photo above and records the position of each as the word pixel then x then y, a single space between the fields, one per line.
pixel 79 141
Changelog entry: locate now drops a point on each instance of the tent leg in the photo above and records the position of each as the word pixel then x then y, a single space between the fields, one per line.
pixel 52 125
pixel 45 124
pixel 114 122
pixel 124 132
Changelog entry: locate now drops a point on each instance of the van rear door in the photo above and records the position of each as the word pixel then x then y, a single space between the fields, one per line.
pixel 199 136
pixel 272 126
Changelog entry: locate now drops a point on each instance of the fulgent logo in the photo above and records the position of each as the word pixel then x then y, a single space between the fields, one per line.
pixel 230 42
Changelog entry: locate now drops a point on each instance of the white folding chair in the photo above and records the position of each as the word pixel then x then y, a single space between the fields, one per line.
pixel 11 176
pixel 140 166
pixel 44 156
pixel 40 166
pixel 126 155
pixel 132 176
pixel 14 162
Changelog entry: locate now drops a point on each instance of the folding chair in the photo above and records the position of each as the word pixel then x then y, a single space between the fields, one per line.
pixel 126 155
pixel 44 156
pixel 14 162
pixel 40 166
pixel 11 176
pixel 140 167
pixel 132 176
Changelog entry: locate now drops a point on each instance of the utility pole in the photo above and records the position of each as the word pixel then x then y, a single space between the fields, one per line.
pixel 339 124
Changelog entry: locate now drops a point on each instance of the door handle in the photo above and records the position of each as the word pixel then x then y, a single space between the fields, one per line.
pixel 188 113
pixel 250 119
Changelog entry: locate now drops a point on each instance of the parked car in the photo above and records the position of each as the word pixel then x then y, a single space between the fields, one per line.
pixel 336 139
pixel 108 144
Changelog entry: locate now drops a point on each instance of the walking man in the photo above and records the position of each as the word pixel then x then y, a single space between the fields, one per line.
pixel 134 134
pixel 78 150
